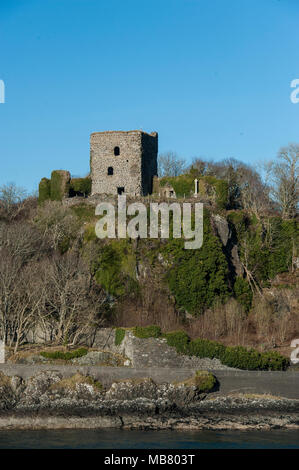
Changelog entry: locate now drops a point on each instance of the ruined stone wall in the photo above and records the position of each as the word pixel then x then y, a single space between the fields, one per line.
pixel 134 167
pixel 149 161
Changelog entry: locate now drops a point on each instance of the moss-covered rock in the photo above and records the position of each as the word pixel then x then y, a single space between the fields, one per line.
pixel 203 381
pixel 130 389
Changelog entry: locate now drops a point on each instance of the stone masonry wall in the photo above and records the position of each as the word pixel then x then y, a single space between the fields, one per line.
pixel 134 167
pixel 152 352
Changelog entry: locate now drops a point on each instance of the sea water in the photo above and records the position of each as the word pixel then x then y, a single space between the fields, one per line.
pixel 123 439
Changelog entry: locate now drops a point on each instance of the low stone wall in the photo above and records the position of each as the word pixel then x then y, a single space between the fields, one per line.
pixel 282 384
pixel 151 352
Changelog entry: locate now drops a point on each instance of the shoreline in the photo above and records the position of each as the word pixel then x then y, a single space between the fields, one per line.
pixel 60 399
pixel 212 413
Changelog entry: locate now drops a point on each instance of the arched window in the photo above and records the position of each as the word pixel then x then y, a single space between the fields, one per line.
pixel 110 171
pixel 116 151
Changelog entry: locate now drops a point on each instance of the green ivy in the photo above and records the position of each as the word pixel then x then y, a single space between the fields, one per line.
pixel 59 188
pixel 80 186
pixel 198 278
pixel 119 336
pixel 44 190
pixel 243 293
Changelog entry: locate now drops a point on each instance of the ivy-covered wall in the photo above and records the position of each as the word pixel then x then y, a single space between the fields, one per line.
pixel 61 185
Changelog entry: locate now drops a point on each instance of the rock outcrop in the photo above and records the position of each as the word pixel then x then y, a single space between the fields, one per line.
pixel 49 400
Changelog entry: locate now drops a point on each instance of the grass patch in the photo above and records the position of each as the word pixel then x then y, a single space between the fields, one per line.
pixel 203 380
pixel 66 356
pixel 86 213
pixel 119 336
pixel 144 332
pixel 70 383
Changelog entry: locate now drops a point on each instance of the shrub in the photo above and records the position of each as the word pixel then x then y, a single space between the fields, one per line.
pixel 178 339
pixel 119 336
pixel 80 186
pixel 85 212
pixel 107 270
pixel 152 331
pixel 238 356
pixel 90 233
pixel 198 278
pixel 272 360
pixel 216 188
pixel 66 356
pixel 242 358
pixel 182 185
pixel 243 293
pixel 205 381
pixel 206 348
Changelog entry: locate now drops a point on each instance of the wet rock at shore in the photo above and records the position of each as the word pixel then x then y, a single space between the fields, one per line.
pixel 49 400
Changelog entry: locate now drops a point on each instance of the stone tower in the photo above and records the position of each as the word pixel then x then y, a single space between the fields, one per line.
pixel 123 162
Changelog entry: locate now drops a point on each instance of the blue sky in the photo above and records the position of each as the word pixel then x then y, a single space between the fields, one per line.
pixel 211 76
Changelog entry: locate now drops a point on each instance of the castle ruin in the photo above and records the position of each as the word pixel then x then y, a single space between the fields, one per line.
pixel 123 162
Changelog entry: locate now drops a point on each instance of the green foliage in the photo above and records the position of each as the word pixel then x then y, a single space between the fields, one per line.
pixel 272 360
pixel 119 336
pixel 183 184
pixel 242 358
pixel 80 186
pixel 178 339
pixel 84 212
pixel 66 356
pixel 44 190
pixel 205 381
pixel 238 356
pixel 284 237
pixel 217 186
pixel 113 269
pixel 235 356
pixel 266 246
pixel 151 331
pixel 243 293
pixel 198 278
pixel 90 233
pixel 239 222
pixel 107 270
pixel 59 186
pixel 206 348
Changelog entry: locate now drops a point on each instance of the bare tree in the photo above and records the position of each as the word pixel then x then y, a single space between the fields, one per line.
pixel 71 304
pixel 12 200
pixel 20 296
pixel 57 223
pixel 169 164
pixel 285 180
pixel 23 241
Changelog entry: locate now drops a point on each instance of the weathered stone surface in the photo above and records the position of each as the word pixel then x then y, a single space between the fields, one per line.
pixel 101 358
pixel 126 160
pixel 132 388
pixel 37 385
pixel 50 401
pixel 155 352
pixel 222 228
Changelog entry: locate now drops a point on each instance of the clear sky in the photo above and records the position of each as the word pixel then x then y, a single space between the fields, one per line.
pixel 211 76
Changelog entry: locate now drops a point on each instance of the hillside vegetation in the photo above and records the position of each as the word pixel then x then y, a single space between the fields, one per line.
pixel 58 277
